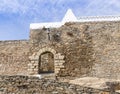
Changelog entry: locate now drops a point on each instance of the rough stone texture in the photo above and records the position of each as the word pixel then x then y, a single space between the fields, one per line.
pixel 14 57
pixel 33 85
pixel 94 82
pixel 89 49
pixel 73 43
pixel 106 45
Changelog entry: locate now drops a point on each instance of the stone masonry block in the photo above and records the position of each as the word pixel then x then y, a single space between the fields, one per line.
pixel 57 61
pixel 36 58
pixel 40 52
pixel 56 57
pixel 62 61
pixel 59 54
pixel 31 57
pixel 62 66
pixel 53 51
pixel 56 64
pixel 33 67
pixel 57 67
pixel 48 49
pixel 56 72
pixel 43 49
pixel 35 70
pixel 30 70
pixel 34 54
pixel 61 57
pixel 35 64
pixel 30 64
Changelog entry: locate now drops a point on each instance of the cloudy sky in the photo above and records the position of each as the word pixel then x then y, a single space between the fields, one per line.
pixel 16 15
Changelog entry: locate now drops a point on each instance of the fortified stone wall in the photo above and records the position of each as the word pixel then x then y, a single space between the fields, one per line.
pixel 89 49
pixel 71 41
pixel 106 45
pixel 14 57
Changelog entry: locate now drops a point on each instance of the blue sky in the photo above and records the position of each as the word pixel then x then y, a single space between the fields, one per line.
pixel 16 15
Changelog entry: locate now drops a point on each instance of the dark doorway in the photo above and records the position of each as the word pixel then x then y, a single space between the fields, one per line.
pixel 46 63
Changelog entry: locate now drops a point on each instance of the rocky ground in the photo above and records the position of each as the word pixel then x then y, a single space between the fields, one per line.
pixel 46 84
pixel 93 82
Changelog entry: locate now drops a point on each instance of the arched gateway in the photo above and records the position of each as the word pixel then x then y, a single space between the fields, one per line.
pixel 34 67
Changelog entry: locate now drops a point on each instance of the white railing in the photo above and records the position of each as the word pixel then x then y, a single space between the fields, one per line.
pixel 80 19
pixel 98 18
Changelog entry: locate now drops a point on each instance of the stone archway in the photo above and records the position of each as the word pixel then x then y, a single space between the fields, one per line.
pixel 34 61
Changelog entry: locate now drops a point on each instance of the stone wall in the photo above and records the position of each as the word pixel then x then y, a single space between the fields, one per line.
pixel 14 57
pixel 70 41
pixel 90 49
pixel 106 45
pixel 85 49
pixel 33 85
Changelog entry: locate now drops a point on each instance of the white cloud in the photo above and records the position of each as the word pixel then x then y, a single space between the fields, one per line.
pixel 103 7
pixel 46 9
pixel 18 6
pixel 9 5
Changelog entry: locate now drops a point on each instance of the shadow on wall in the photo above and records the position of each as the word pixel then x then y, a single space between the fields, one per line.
pixel 46 63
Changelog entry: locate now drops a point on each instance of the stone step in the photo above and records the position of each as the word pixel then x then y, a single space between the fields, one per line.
pixel 48 75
